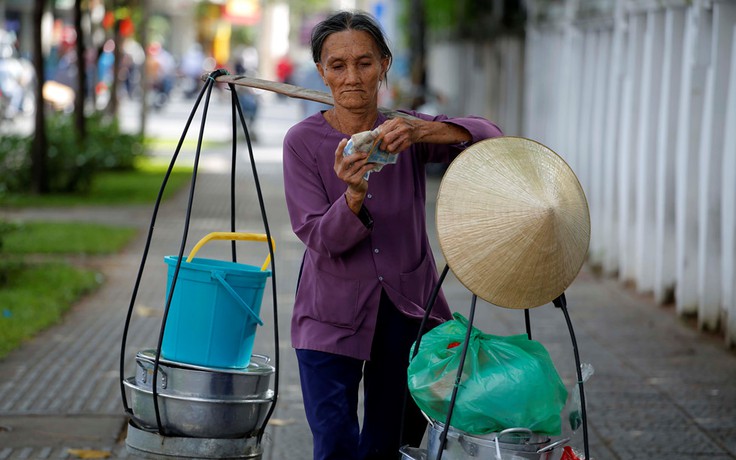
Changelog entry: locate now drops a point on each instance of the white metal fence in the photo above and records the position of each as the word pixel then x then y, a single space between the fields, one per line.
pixel 640 98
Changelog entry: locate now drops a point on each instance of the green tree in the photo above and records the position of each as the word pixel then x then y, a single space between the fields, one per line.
pixel 475 20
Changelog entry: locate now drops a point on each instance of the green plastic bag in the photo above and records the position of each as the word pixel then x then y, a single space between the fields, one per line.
pixel 506 382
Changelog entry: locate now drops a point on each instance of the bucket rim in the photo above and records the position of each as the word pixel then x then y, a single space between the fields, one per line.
pixel 200 263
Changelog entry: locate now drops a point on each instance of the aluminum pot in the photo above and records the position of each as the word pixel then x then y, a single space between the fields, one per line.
pixel 181 379
pixel 199 417
pixel 513 444
pixel 413 453
pixel 145 444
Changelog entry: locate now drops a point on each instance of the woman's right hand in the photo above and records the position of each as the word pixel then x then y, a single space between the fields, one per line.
pixel 351 169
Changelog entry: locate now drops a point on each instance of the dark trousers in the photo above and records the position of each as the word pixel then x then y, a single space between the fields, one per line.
pixel 330 385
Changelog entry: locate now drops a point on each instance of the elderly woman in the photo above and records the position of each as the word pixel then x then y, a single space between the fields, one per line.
pixel 368 268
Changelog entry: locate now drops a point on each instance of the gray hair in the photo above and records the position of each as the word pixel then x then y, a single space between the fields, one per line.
pixel 346 20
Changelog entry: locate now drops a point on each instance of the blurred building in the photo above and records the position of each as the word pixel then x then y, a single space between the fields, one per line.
pixel 639 97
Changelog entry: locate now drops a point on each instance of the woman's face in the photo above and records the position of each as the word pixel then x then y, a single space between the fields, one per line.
pixel 352 66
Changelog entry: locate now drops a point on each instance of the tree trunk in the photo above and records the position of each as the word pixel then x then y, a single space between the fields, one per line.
pixel 79 102
pixel 417 52
pixel 39 174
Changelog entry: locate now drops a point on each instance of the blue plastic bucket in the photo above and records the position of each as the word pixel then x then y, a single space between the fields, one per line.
pixel 214 312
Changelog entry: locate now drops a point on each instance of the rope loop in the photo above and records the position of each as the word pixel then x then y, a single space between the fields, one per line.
pixel 217 73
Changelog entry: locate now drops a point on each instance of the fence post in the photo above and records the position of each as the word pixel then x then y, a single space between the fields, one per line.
pixel 711 159
pixel 728 203
pixel 612 145
pixel 688 133
pixel 645 150
pixel 596 151
pixel 630 121
pixel 669 106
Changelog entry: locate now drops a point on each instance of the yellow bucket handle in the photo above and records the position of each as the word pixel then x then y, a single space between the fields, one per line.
pixel 233 236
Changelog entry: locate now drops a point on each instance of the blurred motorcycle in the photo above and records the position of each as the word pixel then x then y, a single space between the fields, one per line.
pixel 17 79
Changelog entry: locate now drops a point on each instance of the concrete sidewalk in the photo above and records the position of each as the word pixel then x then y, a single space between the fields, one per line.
pixel 661 390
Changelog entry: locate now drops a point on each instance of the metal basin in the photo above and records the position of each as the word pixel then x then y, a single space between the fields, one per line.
pixel 144 444
pixel 413 453
pixel 204 382
pixel 199 417
pixel 514 443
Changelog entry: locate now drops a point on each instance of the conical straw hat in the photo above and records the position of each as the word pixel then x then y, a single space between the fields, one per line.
pixel 513 222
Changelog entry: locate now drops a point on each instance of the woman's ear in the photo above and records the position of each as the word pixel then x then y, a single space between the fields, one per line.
pixel 321 72
pixel 384 68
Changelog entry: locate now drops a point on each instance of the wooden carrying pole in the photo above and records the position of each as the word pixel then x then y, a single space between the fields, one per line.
pixel 277 87
pixel 294 91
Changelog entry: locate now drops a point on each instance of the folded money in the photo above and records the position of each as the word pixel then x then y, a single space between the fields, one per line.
pixel 366 141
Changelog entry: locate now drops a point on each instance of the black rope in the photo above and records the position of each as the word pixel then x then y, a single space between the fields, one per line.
pixel 261 204
pixel 185 233
pixel 458 377
pixel 427 310
pixel 146 249
pixel 528 323
pixel 561 303
pixel 233 163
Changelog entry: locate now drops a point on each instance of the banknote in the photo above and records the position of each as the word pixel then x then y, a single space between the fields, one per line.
pixel 366 141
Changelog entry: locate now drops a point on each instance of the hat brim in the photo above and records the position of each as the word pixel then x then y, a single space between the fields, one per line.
pixel 513 222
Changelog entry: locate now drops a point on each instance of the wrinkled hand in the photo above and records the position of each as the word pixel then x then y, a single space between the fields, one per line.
pixel 398 134
pixel 351 169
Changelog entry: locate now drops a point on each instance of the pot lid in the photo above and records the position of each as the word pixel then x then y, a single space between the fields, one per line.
pixel 513 222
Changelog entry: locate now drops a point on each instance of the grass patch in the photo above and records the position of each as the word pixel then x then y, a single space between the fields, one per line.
pixel 34 296
pixel 111 188
pixel 66 238
pixel 28 305
pixel 188 144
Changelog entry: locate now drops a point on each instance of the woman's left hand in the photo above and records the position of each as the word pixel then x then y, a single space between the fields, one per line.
pixel 398 134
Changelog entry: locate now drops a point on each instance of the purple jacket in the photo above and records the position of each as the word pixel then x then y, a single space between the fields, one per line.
pixel 346 264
